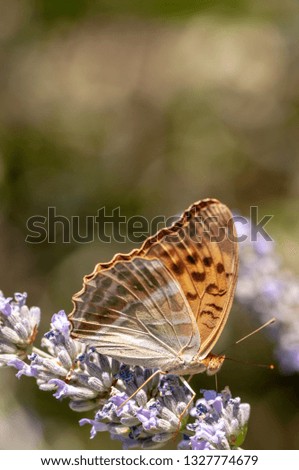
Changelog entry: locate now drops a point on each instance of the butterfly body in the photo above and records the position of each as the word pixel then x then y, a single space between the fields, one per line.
pixel 164 305
pixel 210 364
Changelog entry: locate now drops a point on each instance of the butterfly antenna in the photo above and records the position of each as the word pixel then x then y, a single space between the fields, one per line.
pixel 270 322
pixel 266 366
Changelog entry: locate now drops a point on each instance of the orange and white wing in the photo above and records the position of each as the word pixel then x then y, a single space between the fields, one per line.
pixel 135 312
pixel 187 275
pixel 201 253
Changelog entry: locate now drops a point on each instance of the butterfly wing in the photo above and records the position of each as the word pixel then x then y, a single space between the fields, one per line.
pixel 201 252
pixel 135 312
pixel 194 262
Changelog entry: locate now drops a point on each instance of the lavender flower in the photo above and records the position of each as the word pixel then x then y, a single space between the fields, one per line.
pixel 90 381
pixel 267 289
pixel 221 422
pixel 151 418
pixel 68 368
pixel 18 327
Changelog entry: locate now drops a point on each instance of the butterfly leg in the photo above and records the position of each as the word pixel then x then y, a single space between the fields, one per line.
pixel 189 379
pixel 181 416
pixel 216 383
pixel 141 386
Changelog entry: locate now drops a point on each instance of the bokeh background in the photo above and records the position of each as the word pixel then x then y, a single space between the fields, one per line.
pixel 148 105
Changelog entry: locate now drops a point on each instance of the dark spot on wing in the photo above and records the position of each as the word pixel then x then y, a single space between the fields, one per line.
pixel 210 313
pixel 86 327
pixel 178 267
pixel 192 259
pixel 191 296
pixel 198 277
pixel 180 246
pixel 164 253
pixel 106 313
pixel 220 268
pixel 214 290
pixel 114 301
pixel 121 290
pixel 208 261
pixel 106 282
pixel 216 307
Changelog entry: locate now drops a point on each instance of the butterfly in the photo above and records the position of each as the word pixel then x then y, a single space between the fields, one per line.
pixel 164 305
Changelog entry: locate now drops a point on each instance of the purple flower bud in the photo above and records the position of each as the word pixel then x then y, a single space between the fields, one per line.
pixel 61 323
pixel 18 327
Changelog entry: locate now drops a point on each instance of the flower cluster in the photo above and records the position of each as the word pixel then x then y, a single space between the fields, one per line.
pixel 151 418
pixel 67 368
pixel 268 290
pixel 220 422
pixel 132 411
pixel 18 327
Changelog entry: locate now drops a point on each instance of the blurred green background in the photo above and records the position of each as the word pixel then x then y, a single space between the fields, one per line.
pixel 148 105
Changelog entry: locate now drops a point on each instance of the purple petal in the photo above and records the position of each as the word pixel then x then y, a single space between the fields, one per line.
pixel 5 306
pixel 199 444
pixel 118 401
pixel 23 368
pixel 209 394
pixel 96 426
pixel 147 418
pixel 218 405
pixel 62 388
pixel 21 298
pixel 61 323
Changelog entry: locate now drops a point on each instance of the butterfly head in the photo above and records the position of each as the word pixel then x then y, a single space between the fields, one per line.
pixel 213 363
